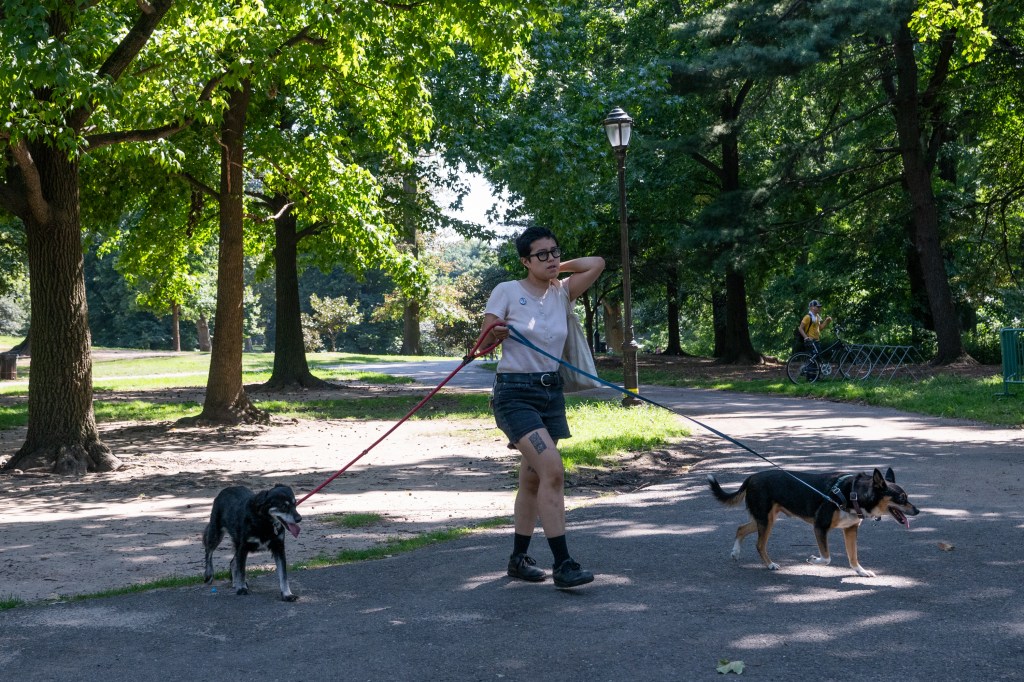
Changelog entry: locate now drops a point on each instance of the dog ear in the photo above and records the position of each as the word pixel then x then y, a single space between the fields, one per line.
pixel 890 476
pixel 877 481
pixel 259 502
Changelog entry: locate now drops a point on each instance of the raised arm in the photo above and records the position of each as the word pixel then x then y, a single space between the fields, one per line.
pixel 585 272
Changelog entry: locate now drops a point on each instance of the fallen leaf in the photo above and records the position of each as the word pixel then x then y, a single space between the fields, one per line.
pixel 727 666
pixel 946 546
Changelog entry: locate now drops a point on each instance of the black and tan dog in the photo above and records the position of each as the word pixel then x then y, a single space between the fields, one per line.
pixel 254 522
pixel 825 501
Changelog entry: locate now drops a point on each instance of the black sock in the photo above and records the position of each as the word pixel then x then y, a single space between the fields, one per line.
pixel 521 544
pixel 559 549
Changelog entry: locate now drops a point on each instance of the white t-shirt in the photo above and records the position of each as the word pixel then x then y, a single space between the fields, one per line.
pixel 541 320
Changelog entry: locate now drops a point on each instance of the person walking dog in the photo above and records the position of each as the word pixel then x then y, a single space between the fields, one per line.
pixel 528 402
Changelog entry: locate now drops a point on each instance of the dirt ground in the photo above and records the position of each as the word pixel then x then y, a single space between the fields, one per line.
pixel 70 536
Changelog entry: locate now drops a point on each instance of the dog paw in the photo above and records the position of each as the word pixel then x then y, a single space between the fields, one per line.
pixel 820 561
pixel 289 597
pixel 735 554
pixel 863 572
pixel 773 566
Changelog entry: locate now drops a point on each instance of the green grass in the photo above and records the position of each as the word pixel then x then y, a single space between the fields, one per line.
pixel 353 520
pixel 12 602
pixel 941 396
pixel 399 546
pixel 603 428
pixel 191 369
pixel 968 398
pixel 452 406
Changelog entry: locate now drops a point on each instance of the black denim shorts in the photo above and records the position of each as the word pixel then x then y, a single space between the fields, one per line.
pixel 527 402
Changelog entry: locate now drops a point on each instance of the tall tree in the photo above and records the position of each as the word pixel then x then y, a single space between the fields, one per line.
pixel 75 60
pixel 347 204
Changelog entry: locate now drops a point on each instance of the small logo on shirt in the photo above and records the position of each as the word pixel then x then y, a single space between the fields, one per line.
pixel 522 300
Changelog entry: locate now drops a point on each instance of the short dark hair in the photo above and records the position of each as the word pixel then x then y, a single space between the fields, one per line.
pixel 529 236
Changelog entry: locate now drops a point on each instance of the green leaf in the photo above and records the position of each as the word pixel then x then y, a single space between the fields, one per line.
pixel 726 666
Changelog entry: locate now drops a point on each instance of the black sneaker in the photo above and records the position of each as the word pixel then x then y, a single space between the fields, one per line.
pixel 570 574
pixel 523 566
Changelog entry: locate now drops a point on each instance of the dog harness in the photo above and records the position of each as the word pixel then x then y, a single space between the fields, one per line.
pixel 845 506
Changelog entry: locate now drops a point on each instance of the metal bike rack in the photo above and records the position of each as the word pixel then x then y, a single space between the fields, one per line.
pixel 887 361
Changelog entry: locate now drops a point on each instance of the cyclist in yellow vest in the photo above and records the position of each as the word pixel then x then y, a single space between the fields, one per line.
pixel 813 325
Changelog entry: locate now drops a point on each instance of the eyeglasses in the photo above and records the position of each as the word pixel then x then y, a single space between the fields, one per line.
pixel 542 256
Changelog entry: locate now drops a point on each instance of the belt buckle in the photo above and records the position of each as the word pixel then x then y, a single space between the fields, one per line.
pixel 544 380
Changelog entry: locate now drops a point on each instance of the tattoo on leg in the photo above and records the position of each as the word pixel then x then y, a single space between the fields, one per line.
pixel 537 442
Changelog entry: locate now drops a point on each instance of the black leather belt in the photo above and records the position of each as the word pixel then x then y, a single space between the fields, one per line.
pixel 549 379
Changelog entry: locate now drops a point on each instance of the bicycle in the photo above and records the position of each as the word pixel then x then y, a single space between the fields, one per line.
pixel 834 360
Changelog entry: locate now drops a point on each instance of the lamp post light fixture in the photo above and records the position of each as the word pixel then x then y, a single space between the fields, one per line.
pixel 619 127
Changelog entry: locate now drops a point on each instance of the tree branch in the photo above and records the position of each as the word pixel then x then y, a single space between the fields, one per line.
pixel 35 201
pixel 199 185
pixel 100 140
pixel 312 230
pixel 707 163
pixel 123 55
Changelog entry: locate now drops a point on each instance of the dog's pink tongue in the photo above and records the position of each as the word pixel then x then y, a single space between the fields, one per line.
pixel 293 528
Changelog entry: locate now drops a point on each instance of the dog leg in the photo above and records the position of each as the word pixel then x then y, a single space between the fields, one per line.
pixel 238 572
pixel 212 536
pixel 850 536
pixel 763 531
pixel 742 532
pixel 824 557
pixel 282 576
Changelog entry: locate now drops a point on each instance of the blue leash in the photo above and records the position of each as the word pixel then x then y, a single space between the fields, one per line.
pixel 519 338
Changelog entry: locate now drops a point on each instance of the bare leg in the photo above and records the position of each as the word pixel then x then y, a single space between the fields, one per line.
pixel 544 493
pixel 526 499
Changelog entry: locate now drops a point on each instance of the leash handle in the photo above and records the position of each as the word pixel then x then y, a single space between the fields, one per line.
pixel 476 351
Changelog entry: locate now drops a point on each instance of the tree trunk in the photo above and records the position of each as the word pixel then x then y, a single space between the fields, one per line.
pixel 672 310
pixel 589 313
pixel 739 348
pixel 718 315
pixel 226 401
pixel 62 435
pixel 25 347
pixel 613 334
pixel 917 180
pixel 176 327
pixel 291 368
pixel 411 343
pixel 203 335
pixel 411 329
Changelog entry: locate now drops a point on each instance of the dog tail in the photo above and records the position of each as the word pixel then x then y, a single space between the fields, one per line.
pixel 724 497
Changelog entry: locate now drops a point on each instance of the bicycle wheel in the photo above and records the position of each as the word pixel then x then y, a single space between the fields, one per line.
pixel 802 368
pixel 856 364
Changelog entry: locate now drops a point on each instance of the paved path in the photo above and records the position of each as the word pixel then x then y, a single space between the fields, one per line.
pixel 473 376
pixel 667 603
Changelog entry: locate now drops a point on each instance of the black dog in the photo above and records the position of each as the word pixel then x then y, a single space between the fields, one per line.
pixel 841 501
pixel 254 522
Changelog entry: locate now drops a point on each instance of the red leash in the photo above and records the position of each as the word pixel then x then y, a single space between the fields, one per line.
pixel 474 353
